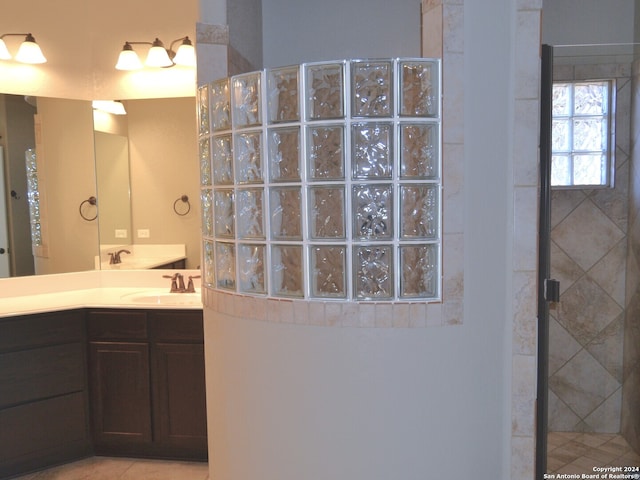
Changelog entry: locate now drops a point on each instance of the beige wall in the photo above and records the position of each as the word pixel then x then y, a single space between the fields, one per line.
pixel 163 149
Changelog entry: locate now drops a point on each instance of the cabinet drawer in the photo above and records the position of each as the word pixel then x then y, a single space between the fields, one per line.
pixel 18 333
pixel 117 325
pixel 50 429
pixel 177 326
pixel 41 373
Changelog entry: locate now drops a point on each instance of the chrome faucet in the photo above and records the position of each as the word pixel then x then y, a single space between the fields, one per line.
pixel 115 256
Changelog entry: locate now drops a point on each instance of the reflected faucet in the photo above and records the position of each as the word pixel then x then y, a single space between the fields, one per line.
pixel 115 256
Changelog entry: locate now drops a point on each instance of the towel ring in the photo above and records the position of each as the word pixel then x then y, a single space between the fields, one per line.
pixel 183 199
pixel 91 201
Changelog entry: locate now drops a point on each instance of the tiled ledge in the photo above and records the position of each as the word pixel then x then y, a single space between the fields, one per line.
pixel 333 313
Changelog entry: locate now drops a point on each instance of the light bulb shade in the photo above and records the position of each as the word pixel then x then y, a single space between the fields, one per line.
pixel 29 51
pixel 186 54
pixel 4 51
pixel 128 59
pixel 158 56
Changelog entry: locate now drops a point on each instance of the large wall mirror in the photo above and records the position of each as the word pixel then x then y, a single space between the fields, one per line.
pixel 140 168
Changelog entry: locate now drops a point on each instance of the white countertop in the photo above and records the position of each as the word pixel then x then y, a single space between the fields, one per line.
pixel 93 289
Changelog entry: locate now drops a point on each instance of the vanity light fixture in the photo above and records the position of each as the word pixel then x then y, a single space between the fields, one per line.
pixel 114 107
pixel 29 51
pixel 158 56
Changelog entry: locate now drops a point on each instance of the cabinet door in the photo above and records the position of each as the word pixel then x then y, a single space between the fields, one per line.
pixel 120 395
pixel 179 393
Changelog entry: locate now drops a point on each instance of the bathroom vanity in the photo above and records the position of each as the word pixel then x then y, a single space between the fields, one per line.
pixel 107 374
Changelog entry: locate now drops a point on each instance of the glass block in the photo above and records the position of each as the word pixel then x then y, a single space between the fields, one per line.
pixel 589 134
pixel 286 213
pixel 223 212
pixel 372 89
pixel 373 272
pixel 325 91
pixel 328 271
pixel 327 212
pixel 287 271
pixel 205 162
pixel 208 270
pixel 251 262
pixel 560 135
pixel 560 170
pixel 419 271
pixel 220 105
pixel 203 110
pixel 419 88
pixel 283 94
pixel 561 99
pixel 419 217
pixel 36 234
pixel 222 160
pixel 206 201
pixel 225 258
pixel 247 149
pixel 32 183
pixel 419 152
pixel 246 102
pixel 591 98
pixel 589 169
pixel 34 206
pixel 250 204
pixel 372 212
pixel 284 154
pixel 372 148
pixel 30 161
pixel 325 146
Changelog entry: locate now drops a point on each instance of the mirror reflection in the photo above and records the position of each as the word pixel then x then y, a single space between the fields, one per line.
pixel 157 137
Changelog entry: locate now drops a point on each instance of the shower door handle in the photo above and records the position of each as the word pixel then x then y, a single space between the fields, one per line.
pixel 551 290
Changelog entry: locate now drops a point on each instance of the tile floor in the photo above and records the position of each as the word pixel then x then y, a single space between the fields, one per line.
pixel 109 468
pixel 568 452
pixel 578 453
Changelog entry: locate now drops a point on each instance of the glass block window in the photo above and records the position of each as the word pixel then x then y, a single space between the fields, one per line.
pixel 33 196
pixel 323 181
pixel 582 144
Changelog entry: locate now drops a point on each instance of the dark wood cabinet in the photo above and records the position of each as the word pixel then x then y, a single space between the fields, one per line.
pixel 43 391
pixel 146 371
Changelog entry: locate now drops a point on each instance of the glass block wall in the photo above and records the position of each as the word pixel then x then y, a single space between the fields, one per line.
pixel 323 181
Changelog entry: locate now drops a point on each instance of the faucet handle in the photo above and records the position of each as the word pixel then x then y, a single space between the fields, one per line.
pixel 190 286
pixel 174 282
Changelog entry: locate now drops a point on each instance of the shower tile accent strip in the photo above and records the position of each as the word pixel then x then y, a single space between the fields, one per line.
pixel 323 182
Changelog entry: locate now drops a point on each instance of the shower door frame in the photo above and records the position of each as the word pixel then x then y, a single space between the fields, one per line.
pixel 544 260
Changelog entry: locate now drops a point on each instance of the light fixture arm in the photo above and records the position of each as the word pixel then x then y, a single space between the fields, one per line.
pixel 28 36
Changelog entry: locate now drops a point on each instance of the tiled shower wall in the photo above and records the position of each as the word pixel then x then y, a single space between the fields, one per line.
pixel 589 239
pixel 631 364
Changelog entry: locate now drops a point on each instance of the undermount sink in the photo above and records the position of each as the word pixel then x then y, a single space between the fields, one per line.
pixel 164 298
